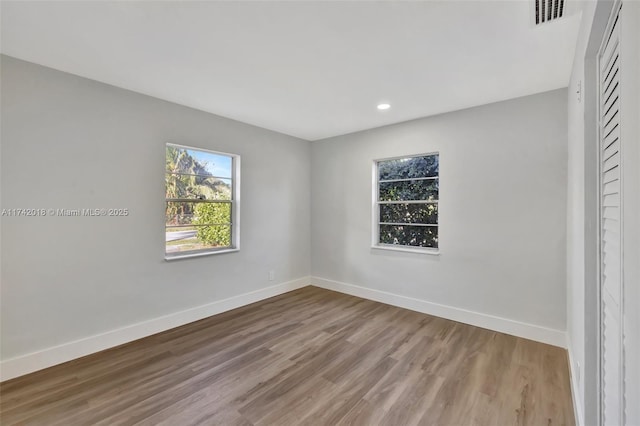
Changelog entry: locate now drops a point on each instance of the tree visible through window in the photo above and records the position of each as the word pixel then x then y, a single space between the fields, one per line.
pixel 200 201
pixel 406 201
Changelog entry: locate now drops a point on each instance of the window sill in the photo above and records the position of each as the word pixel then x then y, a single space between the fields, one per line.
pixel 429 251
pixel 200 253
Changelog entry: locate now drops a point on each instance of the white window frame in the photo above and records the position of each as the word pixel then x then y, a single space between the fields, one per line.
pixel 235 208
pixel 375 211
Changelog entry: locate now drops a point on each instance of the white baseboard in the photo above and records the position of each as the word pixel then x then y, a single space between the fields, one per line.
pixel 503 325
pixel 575 390
pixel 39 360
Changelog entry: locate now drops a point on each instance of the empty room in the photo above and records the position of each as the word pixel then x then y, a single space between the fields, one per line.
pixel 320 212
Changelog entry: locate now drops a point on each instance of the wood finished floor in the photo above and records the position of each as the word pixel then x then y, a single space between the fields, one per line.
pixel 309 357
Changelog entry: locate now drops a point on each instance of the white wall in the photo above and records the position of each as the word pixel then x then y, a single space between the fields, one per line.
pixel 502 210
pixel 69 142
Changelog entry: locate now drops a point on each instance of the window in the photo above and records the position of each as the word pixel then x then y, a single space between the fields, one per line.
pixel 201 202
pixel 405 203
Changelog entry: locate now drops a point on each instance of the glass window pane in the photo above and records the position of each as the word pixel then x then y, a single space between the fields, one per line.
pixel 409 213
pixel 410 167
pixel 195 162
pixel 197 238
pixel 186 213
pixel 409 190
pixel 197 187
pixel 415 236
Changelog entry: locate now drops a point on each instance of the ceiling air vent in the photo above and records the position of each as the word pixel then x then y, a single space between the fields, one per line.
pixel 548 10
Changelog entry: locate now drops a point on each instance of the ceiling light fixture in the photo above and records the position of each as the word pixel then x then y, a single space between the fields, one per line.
pixel 382 107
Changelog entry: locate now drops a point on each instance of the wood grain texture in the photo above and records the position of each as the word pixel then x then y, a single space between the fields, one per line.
pixel 308 357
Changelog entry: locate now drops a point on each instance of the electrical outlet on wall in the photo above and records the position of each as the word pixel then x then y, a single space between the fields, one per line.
pixel 272 275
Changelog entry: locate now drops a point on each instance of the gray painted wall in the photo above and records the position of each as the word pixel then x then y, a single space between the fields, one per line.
pixel 69 142
pixel 502 210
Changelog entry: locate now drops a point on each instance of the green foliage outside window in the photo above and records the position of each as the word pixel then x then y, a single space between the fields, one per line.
pixel 213 213
pixel 415 180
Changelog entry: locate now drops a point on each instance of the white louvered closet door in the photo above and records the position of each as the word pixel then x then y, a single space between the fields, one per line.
pixel 612 354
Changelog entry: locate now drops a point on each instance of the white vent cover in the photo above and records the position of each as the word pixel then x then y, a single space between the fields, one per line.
pixel 548 10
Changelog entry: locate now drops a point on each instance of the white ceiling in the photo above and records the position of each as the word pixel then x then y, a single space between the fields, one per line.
pixel 308 69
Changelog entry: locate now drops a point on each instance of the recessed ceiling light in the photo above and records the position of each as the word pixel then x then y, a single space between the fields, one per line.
pixel 383 106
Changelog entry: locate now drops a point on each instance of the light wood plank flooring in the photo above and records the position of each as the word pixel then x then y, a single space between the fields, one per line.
pixel 309 357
